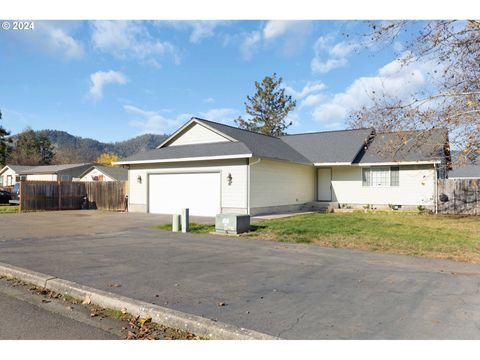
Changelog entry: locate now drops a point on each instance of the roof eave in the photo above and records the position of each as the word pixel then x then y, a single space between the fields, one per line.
pixel 419 162
pixel 199 158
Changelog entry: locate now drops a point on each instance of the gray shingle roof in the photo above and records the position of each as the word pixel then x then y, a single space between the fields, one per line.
pixel 52 169
pixel 465 171
pixel 406 146
pixel 322 147
pixel 190 151
pixel 248 143
pixel 329 146
pixel 259 144
pixel 18 168
pixel 116 173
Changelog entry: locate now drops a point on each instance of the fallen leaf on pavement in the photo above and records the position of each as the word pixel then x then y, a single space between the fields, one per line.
pixel 143 321
pixel 87 300
pixel 115 285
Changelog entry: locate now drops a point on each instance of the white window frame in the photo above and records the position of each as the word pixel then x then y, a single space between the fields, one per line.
pixel 9 180
pixel 387 176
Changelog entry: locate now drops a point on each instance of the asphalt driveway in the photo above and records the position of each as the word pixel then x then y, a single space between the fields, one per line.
pixel 291 291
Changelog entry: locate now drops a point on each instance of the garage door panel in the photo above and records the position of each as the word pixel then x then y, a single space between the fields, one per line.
pixel 169 193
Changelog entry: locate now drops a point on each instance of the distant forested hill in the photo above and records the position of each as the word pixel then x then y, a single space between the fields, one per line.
pixel 75 149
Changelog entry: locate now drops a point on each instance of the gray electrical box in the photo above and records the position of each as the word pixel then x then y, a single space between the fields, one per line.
pixel 232 223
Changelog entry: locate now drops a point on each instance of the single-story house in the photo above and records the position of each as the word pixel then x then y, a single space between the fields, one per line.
pixel 104 173
pixel 464 168
pixel 65 172
pixel 10 174
pixel 465 172
pixel 214 168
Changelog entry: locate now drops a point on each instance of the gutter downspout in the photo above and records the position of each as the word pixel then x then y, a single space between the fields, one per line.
pixel 248 181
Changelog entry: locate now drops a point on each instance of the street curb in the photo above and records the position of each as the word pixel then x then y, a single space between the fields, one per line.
pixel 197 325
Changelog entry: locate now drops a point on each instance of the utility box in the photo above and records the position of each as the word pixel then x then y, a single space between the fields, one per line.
pixel 232 223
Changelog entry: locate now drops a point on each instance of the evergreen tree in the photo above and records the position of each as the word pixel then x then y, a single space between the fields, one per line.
pixel 268 108
pixel 32 149
pixel 5 146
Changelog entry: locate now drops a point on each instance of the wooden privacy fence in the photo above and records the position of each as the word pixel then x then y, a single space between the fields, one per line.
pixel 107 195
pixel 459 196
pixel 68 195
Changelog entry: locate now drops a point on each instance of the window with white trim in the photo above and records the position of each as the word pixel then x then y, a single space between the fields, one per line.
pixel 381 176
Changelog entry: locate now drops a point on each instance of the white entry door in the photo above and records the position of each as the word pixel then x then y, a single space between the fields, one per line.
pixel 170 193
pixel 324 182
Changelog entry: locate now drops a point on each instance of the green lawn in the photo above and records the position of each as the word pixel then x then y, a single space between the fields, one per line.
pixel 437 236
pixel 4 209
pixel 194 228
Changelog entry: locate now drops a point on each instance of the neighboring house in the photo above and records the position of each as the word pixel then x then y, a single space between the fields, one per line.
pixel 465 171
pixel 214 168
pixel 10 174
pixel 104 173
pixel 65 172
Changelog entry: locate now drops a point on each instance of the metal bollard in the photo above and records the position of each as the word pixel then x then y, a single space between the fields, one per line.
pixel 185 220
pixel 175 223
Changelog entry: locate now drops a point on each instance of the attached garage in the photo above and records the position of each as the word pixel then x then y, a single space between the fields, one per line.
pixel 168 193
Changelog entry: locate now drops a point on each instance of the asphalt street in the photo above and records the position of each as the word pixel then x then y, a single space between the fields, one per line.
pixel 286 290
pixel 24 316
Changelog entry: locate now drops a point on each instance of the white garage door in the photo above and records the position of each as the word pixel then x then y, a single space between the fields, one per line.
pixel 169 193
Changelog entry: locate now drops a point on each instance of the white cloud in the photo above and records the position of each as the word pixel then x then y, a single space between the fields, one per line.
pixel 130 39
pixel 101 78
pixel 328 57
pixel 52 37
pixel 209 100
pixel 312 100
pixel 310 87
pixel 152 121
pixel 60 41
pixel 249 44
pixel 292 35
pixel 310 95
pixel 276 28
pixel 199 29
pixel 392 80
pixel 222 115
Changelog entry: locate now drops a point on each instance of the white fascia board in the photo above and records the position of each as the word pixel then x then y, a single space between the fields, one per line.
pixel 5 168
pixel 333 164
pixel 196 121
pixel 204 158
pixel 400 163
pixel 464 178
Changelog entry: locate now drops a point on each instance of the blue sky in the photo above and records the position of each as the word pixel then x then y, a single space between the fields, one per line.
pixel 112 80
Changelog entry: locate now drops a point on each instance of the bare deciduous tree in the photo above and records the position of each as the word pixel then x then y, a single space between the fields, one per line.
pixel 451 98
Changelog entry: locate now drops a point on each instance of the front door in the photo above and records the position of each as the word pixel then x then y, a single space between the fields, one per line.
pixel 324 181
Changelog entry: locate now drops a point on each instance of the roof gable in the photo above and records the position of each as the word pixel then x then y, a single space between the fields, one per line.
pixel 115 173
pixel 194 132
pixel 15 168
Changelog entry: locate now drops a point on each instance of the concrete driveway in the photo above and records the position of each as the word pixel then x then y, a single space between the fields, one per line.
pixel 291 291
pixel 50 224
